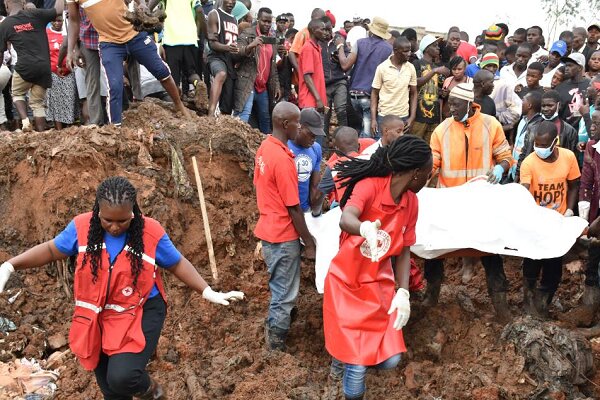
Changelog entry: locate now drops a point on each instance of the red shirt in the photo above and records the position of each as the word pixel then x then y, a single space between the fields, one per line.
pixel 265 53
pixel 311 62
pixel 55 40
pixel 466 50
pixel 276 182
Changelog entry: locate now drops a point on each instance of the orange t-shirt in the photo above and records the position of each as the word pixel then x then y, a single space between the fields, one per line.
pixel 108 17
pixel 548 180
pixel 276 183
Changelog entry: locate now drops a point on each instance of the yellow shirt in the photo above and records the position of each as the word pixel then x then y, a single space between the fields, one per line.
pixel 548 181
pixel 393 88
pixel 108 18
pixel 180 26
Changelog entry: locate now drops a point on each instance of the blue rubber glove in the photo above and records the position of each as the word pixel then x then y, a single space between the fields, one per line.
pixel 495 175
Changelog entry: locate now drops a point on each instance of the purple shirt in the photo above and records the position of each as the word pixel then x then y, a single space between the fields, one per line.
pixel 589 189
pixel 372 51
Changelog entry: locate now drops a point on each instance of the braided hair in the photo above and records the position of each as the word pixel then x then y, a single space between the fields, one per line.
pixel 115 191
pixel 403 154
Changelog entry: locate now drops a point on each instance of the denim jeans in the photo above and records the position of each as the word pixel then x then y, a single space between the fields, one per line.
pixel 354 375
pixel 143 49
pixel 262 108
pixel 363 107
pixel 283 263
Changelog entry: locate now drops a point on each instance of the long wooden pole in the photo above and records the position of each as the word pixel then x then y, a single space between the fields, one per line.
pixel 209 243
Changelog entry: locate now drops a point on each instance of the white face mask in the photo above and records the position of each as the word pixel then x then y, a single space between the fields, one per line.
pixel 466 117
pixel 552 118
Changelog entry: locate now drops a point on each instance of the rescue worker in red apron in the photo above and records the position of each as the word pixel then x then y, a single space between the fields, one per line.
pixel 120 302
pixel 363 313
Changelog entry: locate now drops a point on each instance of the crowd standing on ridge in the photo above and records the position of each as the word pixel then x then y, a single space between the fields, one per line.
pixel 408 112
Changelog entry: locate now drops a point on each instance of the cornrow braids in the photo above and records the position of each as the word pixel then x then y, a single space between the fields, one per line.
pixel 403 154
pixel 115 191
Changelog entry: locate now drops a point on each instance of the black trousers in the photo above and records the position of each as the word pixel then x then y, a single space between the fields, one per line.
pixel 591 270
pixel 551 270
pixel 494 273
pixel 123 375
pixel 181 61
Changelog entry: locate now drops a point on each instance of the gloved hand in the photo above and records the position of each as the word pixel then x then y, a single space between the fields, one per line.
pixel 220 297
pixel 569 213
pixel 368 230
pixel 495 175
pixel 584 209
pixel 5 270
pixel 400 304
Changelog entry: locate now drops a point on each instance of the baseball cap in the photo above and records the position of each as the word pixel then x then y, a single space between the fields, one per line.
pixel 427 41
pixel 560 47
pixel 281 17
pixel 489 58
pixel 311 118
pixel 594 25
pixel 576 58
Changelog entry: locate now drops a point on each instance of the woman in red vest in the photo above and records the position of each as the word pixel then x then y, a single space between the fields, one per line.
pixel 363 314
pixel 120 302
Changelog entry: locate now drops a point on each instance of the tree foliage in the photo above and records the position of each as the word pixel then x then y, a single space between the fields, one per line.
pixel 568 12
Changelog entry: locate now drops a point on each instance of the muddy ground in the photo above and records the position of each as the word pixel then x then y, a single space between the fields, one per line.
pixel 212 352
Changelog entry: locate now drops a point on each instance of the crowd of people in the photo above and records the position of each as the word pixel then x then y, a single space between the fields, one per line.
pixel 409 111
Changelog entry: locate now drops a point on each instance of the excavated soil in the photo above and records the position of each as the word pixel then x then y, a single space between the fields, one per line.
pixel 213 352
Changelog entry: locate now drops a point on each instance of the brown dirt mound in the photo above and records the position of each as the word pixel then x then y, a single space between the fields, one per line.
pixel 218 352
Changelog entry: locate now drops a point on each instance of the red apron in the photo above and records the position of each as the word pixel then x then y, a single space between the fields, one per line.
pixel 358 293
pixel 108 313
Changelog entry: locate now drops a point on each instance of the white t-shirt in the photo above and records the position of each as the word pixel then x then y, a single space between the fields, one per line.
pixel 507 73
pixel 539 53
pixel 356 33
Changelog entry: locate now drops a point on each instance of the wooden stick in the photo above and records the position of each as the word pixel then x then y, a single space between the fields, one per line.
pixel 209 243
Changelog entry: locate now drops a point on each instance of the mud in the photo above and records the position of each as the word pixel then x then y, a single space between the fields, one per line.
pixel 211 352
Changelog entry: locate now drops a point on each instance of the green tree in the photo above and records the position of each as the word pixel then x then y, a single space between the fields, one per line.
pixel 561 13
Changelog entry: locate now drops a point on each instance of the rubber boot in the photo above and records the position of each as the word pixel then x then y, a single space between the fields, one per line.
pixel 528 302
pixel 501 306
pixel 333 390
pixel 541 301
pixel 154 392
pixel 275 338
pixel 432 293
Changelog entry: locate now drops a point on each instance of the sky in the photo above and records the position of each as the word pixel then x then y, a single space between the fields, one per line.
pixel 516 13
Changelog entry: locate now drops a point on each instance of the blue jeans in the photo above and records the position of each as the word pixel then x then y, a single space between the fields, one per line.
pixel 354 375
pixel 283 263
pixel 262 107
pixel 363 107
pixel 143 49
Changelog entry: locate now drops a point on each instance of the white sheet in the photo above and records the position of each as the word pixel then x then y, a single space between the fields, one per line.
pixel 496 219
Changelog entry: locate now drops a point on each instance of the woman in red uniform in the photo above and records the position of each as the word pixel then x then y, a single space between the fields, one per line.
pixel 363 314
pixel 120 303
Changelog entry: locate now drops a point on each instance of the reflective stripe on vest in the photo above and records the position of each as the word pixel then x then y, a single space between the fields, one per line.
pixel 447 171
pixel 89 306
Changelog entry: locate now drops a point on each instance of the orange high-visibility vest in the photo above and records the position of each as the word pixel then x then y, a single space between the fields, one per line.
pixel 462 151
pixel 108 313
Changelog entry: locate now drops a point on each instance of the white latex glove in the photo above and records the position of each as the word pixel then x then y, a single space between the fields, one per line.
pixel 400 304
pixel 368 230
pixel 584 209
pixel 220 297
pixel 5 270
pixel 569 213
